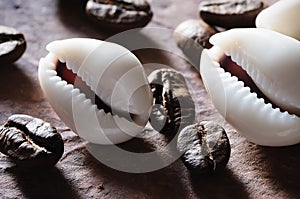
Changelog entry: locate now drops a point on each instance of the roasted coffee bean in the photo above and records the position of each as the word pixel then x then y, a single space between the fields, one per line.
pixel 173 107
pixel 191 36
pixel 204 147
pixel 230 13
pixel 118 15
pixel 12 44
pixel 30 142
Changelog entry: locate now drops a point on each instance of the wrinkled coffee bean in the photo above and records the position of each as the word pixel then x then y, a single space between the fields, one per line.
pixel 173 107
pixel 12 44
pixel 204 147
pixel 191 36
pixel 119 14
pixel 30 142
pixel 230 13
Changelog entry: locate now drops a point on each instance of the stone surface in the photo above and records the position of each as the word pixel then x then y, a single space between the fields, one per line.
pixel 252 172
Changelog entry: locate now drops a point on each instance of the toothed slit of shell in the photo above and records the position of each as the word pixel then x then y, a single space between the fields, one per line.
pixel 236 60
pixel 67 74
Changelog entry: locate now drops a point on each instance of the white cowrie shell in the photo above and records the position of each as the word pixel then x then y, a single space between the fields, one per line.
pixel 113 73
pixel 273 62
pixel 283 17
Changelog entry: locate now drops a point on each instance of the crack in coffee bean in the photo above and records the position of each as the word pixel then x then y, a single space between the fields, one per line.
pixel 119 14
pixel 12 44
pixel 173 107
pixel 204 147
pixel 201 133
pixel 230 13
pixel 30 142
pixel 4 37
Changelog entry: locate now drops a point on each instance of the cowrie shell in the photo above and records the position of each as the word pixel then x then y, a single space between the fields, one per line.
pixel 113 73
pixel 272 61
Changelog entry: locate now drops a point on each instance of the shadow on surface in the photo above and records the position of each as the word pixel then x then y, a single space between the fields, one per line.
pixel 223 185
pixel 164 183
pixel 284 167
pixel 137 155
pixel 44 183
pixel 15 85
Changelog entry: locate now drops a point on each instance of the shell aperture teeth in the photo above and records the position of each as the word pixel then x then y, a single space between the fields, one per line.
pixel 236 70
pixel 268 56
pixel 101 66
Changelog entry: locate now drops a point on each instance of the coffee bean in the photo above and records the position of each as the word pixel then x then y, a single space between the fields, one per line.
pixel 173 107
pixel 30 142
pixel 204 147
pixel 119 14
pixel 12 44
pixel 230 13
pixel 191 36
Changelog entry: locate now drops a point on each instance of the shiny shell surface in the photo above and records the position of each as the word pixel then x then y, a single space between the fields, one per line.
pixel 282 17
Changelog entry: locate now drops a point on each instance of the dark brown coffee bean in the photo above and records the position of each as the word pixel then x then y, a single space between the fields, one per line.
pixel 30 142
pixel 191 36
pixel 204 147
pixel 12 44
pixel 230 13
pixel 173 107
pixel 119 14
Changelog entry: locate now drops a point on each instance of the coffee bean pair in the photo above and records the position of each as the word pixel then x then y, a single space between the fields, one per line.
pixel 204 146
pixel 30 142
pixel 12 45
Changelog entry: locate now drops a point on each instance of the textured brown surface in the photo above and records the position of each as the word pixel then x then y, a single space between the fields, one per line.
pixel 252 172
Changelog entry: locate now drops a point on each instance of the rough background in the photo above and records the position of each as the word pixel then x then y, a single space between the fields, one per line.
pixel 252 172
